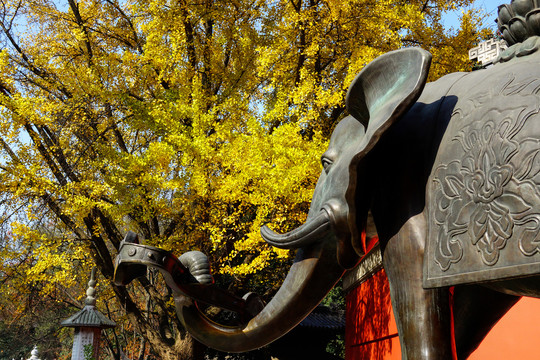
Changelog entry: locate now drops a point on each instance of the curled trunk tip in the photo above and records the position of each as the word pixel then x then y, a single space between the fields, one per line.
pixel 313 274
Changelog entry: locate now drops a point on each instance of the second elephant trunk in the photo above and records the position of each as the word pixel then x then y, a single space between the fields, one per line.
pixel 313 274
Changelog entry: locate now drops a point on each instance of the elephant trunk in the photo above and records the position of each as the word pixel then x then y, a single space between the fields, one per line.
pixel 313 230
pixel 313 274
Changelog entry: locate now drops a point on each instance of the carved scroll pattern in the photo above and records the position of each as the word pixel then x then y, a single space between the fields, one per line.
pixel 489 198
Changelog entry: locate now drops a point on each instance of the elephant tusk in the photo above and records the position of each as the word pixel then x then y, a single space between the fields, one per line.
pixel 307 234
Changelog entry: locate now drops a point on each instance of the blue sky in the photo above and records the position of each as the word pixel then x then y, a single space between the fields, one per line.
pixel 489 6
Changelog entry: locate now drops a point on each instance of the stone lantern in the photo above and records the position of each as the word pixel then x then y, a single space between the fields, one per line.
pixel 88 324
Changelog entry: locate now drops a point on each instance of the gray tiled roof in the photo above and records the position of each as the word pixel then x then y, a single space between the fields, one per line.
pixel 89 316
pixel 324 317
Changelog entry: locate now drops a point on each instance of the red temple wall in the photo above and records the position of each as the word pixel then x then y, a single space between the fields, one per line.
pixel 371 332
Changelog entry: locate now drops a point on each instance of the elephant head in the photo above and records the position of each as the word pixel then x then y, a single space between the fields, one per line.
pixel 328 241
pixel 382 92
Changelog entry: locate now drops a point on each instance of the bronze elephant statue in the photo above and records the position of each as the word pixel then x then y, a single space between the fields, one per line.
pixel 450 171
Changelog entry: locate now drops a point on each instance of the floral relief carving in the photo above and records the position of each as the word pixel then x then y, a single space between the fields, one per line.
pixel 489 198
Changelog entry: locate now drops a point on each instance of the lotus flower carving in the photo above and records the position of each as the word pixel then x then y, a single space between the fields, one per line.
pixel 489 196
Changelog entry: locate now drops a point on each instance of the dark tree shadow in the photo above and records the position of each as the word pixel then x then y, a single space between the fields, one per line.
pixel 370 327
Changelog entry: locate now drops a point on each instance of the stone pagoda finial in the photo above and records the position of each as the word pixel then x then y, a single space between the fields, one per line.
pixel 91 291
pixel 34 354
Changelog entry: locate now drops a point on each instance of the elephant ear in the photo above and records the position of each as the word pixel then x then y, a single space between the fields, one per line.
pixel 381 93
pixel 384 90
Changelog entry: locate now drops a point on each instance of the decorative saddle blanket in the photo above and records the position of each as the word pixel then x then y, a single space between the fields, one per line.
pixel 483 197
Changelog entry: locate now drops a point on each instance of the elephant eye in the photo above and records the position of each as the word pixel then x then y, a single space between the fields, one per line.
pixel 326 163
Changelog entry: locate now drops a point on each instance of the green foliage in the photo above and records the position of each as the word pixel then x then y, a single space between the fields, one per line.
pixel 335 300
pixel 336 346
pixel 12 345
pixel 88 352
pixel 38 325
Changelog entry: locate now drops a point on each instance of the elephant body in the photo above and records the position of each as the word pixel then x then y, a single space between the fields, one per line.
pixel 455 187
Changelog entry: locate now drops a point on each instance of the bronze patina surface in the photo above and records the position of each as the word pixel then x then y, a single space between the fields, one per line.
pixel 484 189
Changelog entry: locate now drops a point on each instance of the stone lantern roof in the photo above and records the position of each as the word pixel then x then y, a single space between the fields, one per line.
pixel 89 316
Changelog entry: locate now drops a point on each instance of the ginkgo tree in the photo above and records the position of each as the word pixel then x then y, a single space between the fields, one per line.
pixel 190 123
